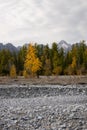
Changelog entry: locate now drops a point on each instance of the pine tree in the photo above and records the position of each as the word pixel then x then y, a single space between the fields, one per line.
pixel 46 61
pixel 55 58
pixel 20 60
pixel 5 60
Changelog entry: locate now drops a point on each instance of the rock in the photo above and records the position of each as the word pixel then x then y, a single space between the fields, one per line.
pixel 39 117
pixel 71 115
pixel 63 126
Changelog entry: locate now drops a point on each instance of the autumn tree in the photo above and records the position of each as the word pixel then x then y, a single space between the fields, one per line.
pixel 32 63
pixel 85 59
pixel 13 71
pixel 47 67
pixel 73 65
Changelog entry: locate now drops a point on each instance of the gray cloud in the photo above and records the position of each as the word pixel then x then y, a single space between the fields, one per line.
pixel 42 21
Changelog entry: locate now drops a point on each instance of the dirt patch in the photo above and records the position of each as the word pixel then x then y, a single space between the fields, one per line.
pixel 62 80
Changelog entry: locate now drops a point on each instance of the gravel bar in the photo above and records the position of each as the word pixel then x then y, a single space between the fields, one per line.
pixel 43 107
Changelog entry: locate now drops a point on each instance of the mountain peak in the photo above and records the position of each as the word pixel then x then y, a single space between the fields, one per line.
pixel 63 44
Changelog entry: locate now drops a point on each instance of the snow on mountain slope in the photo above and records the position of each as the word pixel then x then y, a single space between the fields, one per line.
pixel 63 44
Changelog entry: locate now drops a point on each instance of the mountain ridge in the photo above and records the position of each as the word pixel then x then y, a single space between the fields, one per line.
pixel 8 46
pixel 12 48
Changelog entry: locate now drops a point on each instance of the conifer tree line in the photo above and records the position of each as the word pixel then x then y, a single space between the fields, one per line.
pixel 44 60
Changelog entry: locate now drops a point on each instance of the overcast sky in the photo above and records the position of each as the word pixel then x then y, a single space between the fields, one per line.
pixel 43 21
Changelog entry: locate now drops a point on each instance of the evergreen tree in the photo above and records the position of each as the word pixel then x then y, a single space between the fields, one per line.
pixel 21 59
pixel 55 58
pixel 5 60
pixel 46 61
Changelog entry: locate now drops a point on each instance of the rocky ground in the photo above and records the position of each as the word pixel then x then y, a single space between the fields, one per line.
pixel 43 107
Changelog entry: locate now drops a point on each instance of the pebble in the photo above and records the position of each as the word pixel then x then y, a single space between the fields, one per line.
pixel 65 112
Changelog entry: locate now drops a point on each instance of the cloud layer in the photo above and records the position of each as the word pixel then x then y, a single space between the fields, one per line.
pixel 42 21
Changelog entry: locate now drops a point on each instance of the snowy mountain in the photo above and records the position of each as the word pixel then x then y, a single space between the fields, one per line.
pixel 63 44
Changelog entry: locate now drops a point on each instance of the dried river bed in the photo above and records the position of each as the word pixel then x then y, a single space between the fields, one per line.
pixel 45 107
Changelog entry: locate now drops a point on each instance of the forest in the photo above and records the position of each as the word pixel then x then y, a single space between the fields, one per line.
pixel 39 59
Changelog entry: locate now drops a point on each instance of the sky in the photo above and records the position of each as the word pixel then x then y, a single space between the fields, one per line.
pixel 43 21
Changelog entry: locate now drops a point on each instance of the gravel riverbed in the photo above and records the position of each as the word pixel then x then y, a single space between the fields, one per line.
pixel 43 107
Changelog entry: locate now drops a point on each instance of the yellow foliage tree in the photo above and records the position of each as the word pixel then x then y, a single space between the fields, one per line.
pixel 13 71
pixel 32 63
pixel 47 67
pixel 57 70
pixel 25 74
pixel 73 65
pixel 72 68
